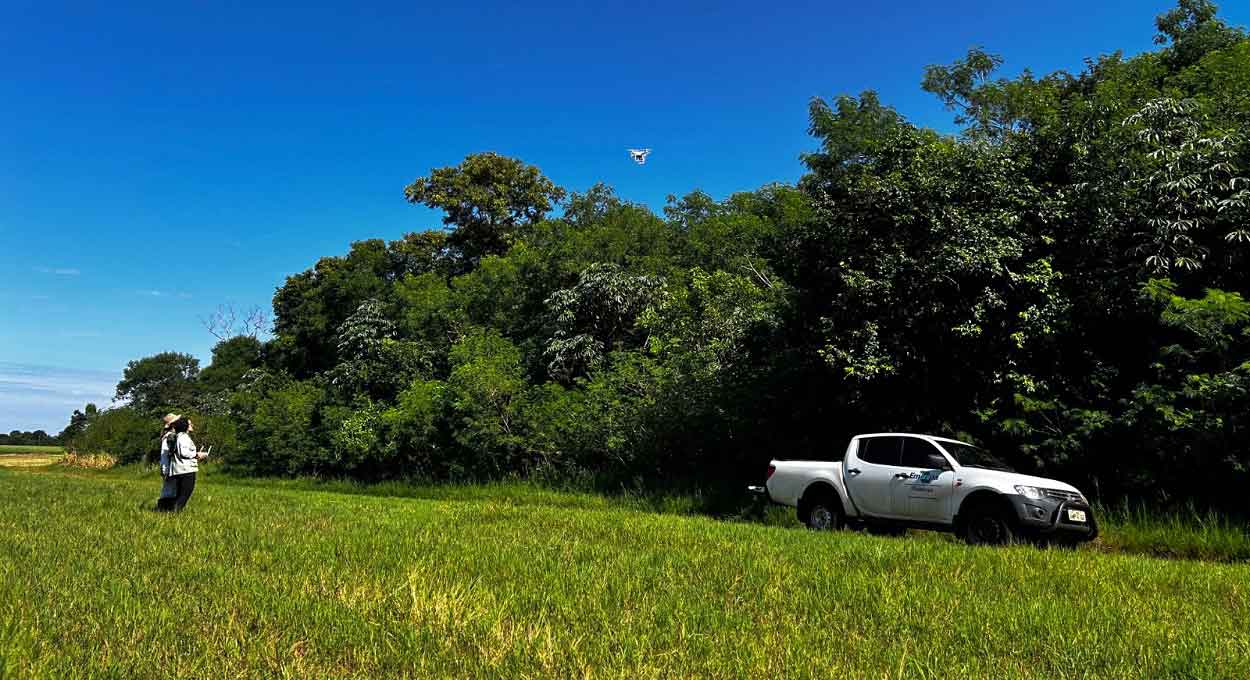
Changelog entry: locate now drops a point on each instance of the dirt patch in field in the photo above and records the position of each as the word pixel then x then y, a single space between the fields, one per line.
pixel 20 460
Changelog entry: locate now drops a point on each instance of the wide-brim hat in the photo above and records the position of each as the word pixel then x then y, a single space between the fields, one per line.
pixel 170 418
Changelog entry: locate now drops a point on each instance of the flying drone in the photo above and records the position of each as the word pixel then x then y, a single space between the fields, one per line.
pixel 639 155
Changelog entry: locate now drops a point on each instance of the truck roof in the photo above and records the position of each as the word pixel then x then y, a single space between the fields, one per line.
pixel 911 434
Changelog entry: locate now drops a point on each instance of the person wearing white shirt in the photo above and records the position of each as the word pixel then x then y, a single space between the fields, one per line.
pixel 169 488
pixel 184 462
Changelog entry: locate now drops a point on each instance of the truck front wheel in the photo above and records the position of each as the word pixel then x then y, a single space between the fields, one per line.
pixel 986 524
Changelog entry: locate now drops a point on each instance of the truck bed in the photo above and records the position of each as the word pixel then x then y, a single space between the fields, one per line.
pixel 791 477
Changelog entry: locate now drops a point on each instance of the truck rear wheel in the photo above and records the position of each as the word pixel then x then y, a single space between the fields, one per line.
pixel 821 512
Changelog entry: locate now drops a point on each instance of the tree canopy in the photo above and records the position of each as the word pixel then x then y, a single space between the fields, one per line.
pixel 153 383
pixel 486 199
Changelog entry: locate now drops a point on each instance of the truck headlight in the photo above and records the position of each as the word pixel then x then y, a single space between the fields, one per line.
pixel 1031 492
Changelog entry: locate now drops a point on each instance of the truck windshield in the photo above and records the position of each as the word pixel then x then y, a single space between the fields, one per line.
pixel 968 455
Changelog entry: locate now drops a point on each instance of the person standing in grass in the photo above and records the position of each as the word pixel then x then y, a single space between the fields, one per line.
pixel 184 461
pixel 169 488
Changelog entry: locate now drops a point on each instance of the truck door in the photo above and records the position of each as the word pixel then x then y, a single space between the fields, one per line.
pixel 868 472
pixel 924 490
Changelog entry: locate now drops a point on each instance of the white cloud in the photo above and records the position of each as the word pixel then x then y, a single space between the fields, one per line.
pixel 43 397
pixel 59 271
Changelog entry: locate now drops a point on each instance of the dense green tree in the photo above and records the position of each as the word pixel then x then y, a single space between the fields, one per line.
pixel 159 383
pixel 925 273
pixel 419 253
pixel 486 393
pixel 311 306
pixel 1192 194
pixel 429 314
pixel 1192 30
pixel 78 423
pixel 486 198
pixel 992 109
pixel 373 364
pixel 232 359
pixel 415 426
pixel 123 432
pixel 356 441
pixel 279 427
pixel 597 316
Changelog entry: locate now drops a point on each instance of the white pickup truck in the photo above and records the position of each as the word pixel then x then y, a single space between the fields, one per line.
pixel 893 481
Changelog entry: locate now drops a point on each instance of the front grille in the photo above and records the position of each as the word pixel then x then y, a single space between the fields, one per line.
pixel 1061 495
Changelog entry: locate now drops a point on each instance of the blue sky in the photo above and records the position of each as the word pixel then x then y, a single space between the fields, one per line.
pixel 158 160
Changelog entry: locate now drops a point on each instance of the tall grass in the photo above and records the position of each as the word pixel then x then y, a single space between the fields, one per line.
pixel 1185 532
pixel 95 461
pixel 289 582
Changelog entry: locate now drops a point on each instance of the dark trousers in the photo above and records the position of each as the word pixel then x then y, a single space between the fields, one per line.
pixel 184 485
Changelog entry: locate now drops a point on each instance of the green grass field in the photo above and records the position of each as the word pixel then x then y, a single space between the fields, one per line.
pixel 21 448
pixel 283 581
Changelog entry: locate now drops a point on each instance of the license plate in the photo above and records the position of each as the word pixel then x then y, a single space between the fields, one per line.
pixel 1076 515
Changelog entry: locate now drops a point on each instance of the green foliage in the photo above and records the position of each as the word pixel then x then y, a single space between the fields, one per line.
pixel 486 393
pixel 1194 192
pixel 929 260
pixel 1197 396
pixel 429 313
pixel 278 424
pixel 602 430
pixel 706 326
pixel 35 438
pixel 78 422
pixel 415 426
pixel 159 382
pixel 495 293
pixel 598 227
pixel 1193 31
pixel 419 253
pixel 486 198
pixel 355 440
pixel 232 359
pixel 991 109
pixel 852 132
pixel 597 316
pixel 741 234
pixel 123 432
pixel 311 307
pixel 1217 319
pixel 372 364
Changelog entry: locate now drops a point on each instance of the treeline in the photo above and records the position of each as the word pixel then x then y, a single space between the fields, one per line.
pixel 36 438
pixel 1063 282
